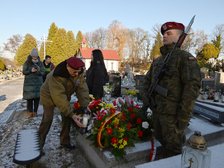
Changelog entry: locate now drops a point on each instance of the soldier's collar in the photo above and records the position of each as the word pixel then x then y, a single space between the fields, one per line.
pixel 166 48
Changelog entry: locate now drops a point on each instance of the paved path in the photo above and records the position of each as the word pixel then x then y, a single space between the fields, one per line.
pixel 13 90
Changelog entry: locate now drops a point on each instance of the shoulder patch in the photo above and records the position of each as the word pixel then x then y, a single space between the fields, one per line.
pixel 191 58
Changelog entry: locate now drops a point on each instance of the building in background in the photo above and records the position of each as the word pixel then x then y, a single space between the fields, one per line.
pixel 111 58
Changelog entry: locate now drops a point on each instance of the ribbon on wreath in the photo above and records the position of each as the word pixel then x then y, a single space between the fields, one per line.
pixel 152 152
pixel 102 127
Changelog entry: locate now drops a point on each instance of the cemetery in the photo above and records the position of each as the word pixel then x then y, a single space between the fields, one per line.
pixel 207 119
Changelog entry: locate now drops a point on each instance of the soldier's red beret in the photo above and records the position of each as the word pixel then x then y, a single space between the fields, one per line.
pixel 75 63
pixel 171 25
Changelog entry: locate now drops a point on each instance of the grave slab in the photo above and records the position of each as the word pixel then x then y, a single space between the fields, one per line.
pixel 140 153
pixel 175 161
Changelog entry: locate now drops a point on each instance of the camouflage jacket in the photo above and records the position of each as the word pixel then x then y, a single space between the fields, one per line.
pixel 181 78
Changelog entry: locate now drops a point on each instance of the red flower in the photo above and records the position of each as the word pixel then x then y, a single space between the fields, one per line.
pixel 139 121
pixel 132 115
pixel 114 140
pixel 123 117
pixel 114 102
pixel 125 138
pixel 137 106
pixel 94 104
pixel 100 115
pixel 76 105
pixel 129 125
pixel 132 102
pixel 112 110
pixel 140 133
pixel 130 109
pixel 109 131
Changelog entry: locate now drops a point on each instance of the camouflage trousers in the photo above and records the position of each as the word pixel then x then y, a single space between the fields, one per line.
pixel 45 126
pixel 166 132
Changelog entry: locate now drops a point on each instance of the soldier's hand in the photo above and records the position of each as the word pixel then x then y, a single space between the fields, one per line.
pixel 78 120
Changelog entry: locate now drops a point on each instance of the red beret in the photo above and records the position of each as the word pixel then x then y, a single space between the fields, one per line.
pixel 75 63
pixel 171 25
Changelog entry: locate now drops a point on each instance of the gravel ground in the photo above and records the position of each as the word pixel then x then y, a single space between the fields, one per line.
pixel 55 156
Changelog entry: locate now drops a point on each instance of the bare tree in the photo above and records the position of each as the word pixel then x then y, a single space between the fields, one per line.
pixel 199 39
pixel 97 39
pixel 188 44
pixel 13 43
pixel 117 37
pixel 157 43
pixel 138 43
pixel 219 31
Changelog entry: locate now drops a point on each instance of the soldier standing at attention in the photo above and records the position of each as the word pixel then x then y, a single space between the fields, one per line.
pixel 181 79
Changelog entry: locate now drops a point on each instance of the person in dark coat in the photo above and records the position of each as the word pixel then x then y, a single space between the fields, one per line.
pixel 96 75
pixel 48 66
pixel 33 70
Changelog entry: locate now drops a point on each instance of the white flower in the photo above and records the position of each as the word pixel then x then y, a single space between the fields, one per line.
pixel 145 124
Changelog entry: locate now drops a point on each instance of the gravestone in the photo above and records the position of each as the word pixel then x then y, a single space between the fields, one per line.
pixel 219 81
pixel 207 83
pixel 115 82
pixel 139 80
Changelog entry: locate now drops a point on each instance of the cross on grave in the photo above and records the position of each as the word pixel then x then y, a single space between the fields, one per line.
pixel 191 161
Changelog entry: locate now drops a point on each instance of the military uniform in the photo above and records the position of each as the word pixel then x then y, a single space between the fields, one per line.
pixel 56 92
pixel 171 113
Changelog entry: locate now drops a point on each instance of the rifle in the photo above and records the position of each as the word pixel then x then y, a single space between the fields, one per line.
pixel 154 86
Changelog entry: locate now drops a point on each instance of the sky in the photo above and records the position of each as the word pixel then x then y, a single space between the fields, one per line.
pixel 36 16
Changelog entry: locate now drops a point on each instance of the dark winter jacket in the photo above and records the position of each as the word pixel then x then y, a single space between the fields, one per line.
pixel 96 77
pixel 47 69
pixel 32 80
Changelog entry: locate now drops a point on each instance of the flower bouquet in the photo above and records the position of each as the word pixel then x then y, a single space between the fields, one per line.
pixel 118 125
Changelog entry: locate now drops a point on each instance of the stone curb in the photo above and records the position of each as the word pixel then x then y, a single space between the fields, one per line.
pixel 90 153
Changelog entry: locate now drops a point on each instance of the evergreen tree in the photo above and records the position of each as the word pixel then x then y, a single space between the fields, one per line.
pixel 155 52
pixel 218 42
pixel 2 65
pixel 59 47
pixel 78 40
pixel 71 44
pixel 52 31
pixel 208 51
pixel 51 34
pixel 25 48
pixel 42 56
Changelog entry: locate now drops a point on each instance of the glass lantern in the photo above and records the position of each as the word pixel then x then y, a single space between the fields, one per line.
pixel 195 153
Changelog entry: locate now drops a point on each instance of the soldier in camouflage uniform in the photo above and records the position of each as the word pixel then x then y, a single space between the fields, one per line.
pixel 171 113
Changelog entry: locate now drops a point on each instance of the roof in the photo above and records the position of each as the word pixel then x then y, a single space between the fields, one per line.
pixel 107 54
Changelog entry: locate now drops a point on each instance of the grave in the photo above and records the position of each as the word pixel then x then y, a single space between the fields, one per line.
pixel 214 111
pixel 140 153
pixel 175 161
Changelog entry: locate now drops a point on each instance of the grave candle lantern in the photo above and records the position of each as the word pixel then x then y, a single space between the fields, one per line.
pixel 195 153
